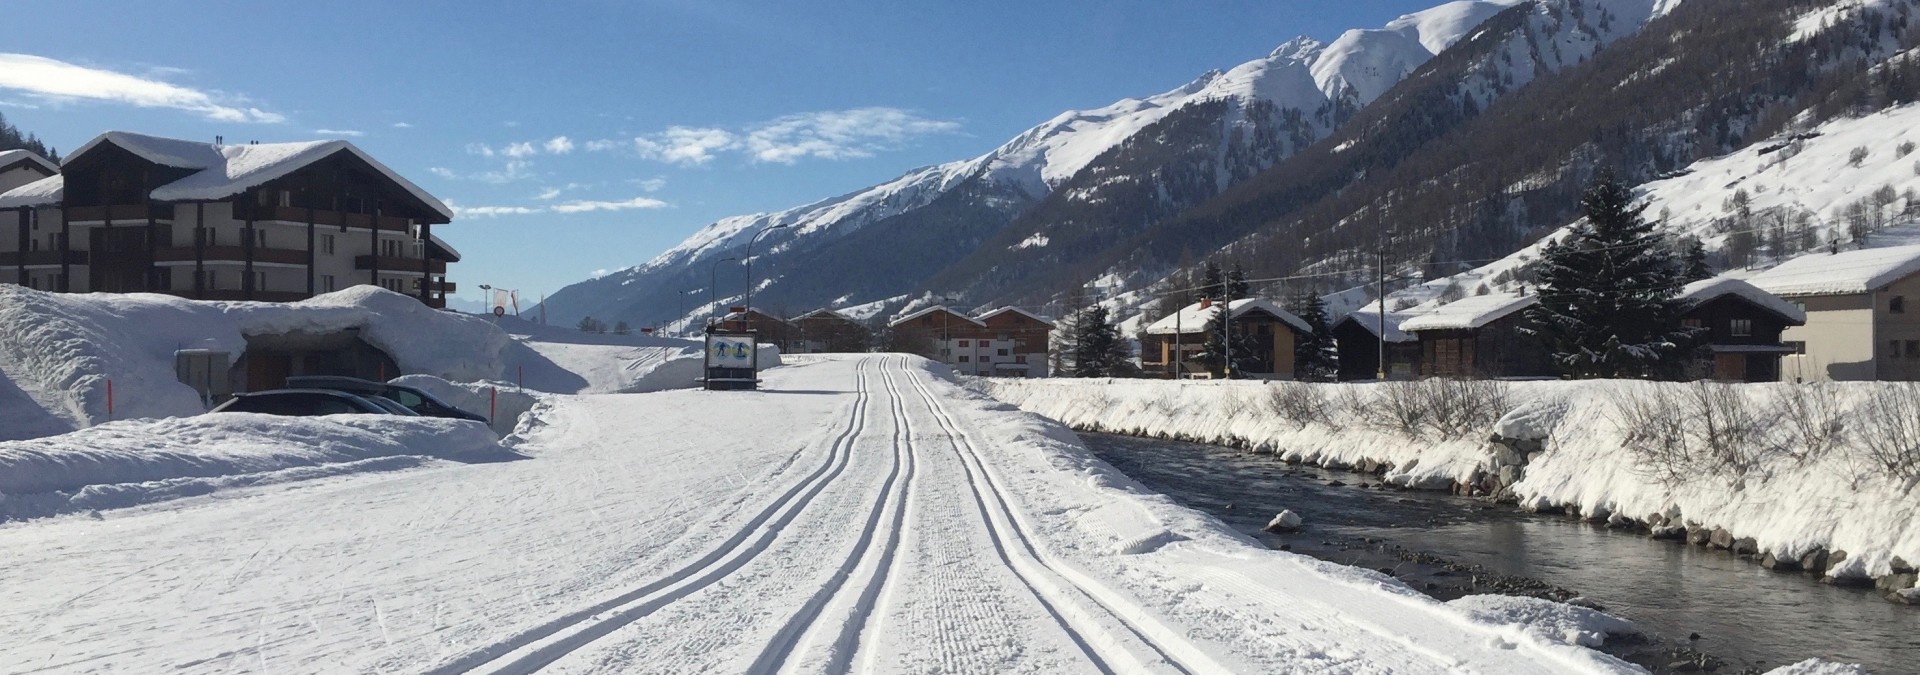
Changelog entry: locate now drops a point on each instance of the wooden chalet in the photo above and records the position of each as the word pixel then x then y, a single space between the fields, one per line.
pixel 273 222
pixel 827 331
pixel 1480 336
pixel 1357 338
pixel 1737 327
pixel 1181 337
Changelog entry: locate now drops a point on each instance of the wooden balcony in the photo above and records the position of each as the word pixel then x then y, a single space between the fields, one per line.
pixel 121 213
pixel 298 216
pixel 45 258
pixel 284 256
pixel 393 264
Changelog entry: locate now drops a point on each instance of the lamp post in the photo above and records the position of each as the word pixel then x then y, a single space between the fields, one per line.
pixel 682 317
pixel 748 301
pixel 713 275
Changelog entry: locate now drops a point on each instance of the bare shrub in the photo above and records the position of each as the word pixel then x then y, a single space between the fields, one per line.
pixel 1679 432
pixel 1301 404
pixel 1905 148
pixel 1889 431
pixel 1399 407
pixel 1449 408
pixel 1814 418
pixel 1858 156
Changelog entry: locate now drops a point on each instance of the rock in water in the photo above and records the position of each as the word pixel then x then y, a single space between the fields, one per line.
pixel 1286 521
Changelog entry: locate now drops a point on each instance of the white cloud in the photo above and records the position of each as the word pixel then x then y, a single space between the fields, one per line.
pixel 518 150
pixel 841 134
pixel 581 206
pixel 601 272
pixel 833 134
pixel 402 125
pixel 54 80
pixel 685 145
pixel 604 144
pixel 548 194
pixel 340 132
pixel 442 172
pixel 488 211
pixel 480 149
pixel 513 170
pixel 650 184
pixel 559 145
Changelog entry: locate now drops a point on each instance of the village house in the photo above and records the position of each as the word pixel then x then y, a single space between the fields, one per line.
pixel 20 167
pixel 769 328
pixel 1357 338
pixel 1480 336
pixel 824 331
pixel 1173 345
pixel 274 222
pixel 1738 329
pixel 1860 322
pixel 1006 342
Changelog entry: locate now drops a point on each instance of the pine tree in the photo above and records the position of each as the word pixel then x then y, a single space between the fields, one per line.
pixel 1237 286
pixel 1098 348
pixel 621 328
pixel 1213 282
pixel 1607 306
pixel 1315 358
pixel 1695 260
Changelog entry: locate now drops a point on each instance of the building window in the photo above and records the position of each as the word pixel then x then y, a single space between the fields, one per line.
pixel 1800 305
pixel 1020 359
pixel 1898 305
pixel 326 283
pixel 1742 327
pixel 326 244
pixel 1798 347
pixel 964 358
pixel 259 281
pixel 1689 323
pixel 1003 352
pixel 1913 349
pixel 1893 349
pixel 963 343
pixel 259 238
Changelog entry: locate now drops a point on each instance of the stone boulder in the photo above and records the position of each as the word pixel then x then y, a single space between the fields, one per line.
pixel 1285 521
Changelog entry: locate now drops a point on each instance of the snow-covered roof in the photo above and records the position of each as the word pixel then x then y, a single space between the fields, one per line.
pixel 43 192
pixel 453 254
pixel 1193 319
pixel 1016 310
pixel 931 310
pixel 1700 292
pixel 10 157
pixel 1469 313
pixel 1842 273
pixel 1369 318
pixel 227 170
pixel 825 313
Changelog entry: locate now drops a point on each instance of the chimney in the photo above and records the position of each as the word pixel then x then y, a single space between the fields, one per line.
pixel 219 140
pixel 1206 303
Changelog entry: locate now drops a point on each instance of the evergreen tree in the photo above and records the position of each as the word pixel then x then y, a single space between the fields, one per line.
pixel 1694 258
pixel 591 325
pixel 1222 336
pixel 1237 286
pixel 621 328
pixel 12 139
pixel 1607 306
pixel 1315 358
pixel 1213 282
pixel 1099 350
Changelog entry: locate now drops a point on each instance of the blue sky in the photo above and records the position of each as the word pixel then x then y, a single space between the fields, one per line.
pixel 584 135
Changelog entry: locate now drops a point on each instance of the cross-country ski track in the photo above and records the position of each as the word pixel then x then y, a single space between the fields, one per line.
pixel 862 514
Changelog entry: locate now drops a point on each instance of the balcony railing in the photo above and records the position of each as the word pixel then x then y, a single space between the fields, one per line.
pixel 298 215
pixel 41 258
pixel 230 253
pixel 121 212
pixel 237 294
pixel 394 264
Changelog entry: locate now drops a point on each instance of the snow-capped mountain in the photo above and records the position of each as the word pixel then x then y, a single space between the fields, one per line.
pixel 1306 89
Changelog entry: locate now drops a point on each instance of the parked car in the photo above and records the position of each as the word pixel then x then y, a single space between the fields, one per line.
pixel 304 403
pixel 413 398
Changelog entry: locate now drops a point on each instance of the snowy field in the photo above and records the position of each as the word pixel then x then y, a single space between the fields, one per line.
pixel 1797 473
pixel 862 513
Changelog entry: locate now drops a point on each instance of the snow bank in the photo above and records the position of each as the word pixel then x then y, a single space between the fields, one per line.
pixel 60 350
pixel 1790 498
pixel 1545 619
pixel 1818 667
pixel 566 361
pixel 127 458
pixel 506 402
pixel 1241 413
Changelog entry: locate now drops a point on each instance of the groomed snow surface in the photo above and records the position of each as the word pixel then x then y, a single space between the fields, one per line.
pixel 861 513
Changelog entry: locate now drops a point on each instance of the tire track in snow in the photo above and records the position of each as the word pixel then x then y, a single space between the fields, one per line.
pixel 1043 575
pixel 806 626
pixel 534 648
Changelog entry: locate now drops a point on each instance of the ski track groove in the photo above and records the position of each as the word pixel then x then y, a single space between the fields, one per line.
pixel 591 623
pixel 1164 641
pixel 802 623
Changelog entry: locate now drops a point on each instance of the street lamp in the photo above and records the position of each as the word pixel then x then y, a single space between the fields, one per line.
pixel 682 296
pixel 713 275
pixel 756 237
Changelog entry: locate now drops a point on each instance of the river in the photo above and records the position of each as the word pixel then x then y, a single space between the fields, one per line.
pixel 1747 618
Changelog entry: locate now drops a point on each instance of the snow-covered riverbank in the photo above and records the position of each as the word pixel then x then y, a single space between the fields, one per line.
pixel 1792 475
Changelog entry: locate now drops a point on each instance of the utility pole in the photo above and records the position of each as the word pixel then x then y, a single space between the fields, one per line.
pixel 713 298
pixel 748 301
pixel 1380 249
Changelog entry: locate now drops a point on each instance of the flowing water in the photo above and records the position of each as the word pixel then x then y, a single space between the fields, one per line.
pixel 1749 617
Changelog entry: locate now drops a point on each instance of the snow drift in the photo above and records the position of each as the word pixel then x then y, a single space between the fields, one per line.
pixel 135 461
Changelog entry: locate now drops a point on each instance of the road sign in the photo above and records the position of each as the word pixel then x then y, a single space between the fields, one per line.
pixel 499 311
pixel 731 361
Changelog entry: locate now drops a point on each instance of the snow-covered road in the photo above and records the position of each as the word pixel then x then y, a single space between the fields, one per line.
pixel 861 514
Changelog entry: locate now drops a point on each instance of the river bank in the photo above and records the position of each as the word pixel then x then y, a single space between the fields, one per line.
pixel 1791 490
